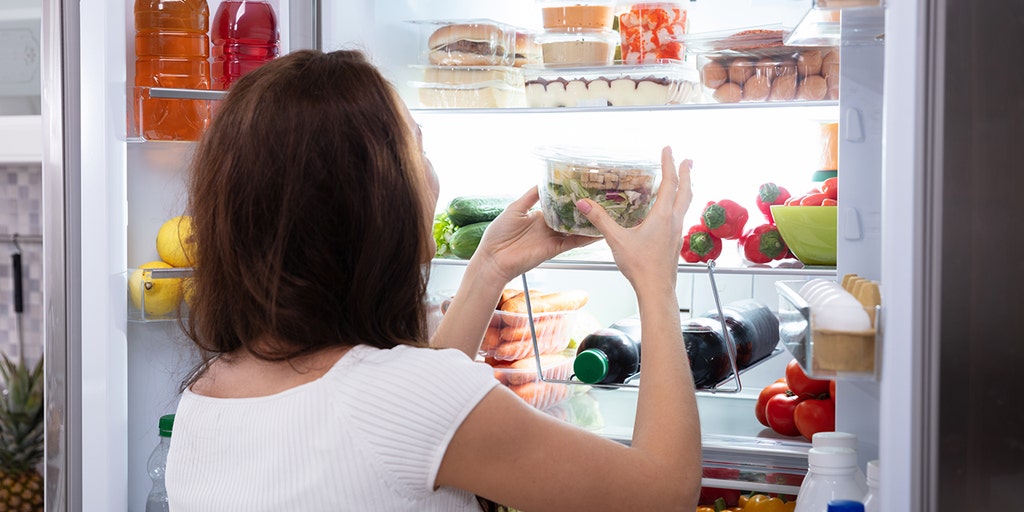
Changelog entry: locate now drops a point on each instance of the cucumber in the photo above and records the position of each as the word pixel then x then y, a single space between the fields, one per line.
pixel 466 210
pixel 465 240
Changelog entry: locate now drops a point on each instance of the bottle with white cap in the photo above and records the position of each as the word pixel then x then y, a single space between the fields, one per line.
pixel 871 500
pixel 838 440
pixel 831 476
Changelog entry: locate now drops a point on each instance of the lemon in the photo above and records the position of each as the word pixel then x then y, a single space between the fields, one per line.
pixel 174 241
pixel 155 297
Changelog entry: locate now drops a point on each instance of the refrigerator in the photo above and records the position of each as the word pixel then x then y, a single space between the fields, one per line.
pixel 923 149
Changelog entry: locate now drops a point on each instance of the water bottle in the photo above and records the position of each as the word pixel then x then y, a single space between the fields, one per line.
pixel 831 476
pixel 871 500
pixel 172 49
pixel 244 36
pixel 157 467
pixel 606 356
pixel 838 440
pixel 845 506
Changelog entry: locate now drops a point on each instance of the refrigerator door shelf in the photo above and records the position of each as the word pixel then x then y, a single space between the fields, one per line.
pixel 826 354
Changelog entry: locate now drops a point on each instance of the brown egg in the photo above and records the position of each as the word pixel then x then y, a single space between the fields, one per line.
pixel 783 88
pixel 757 88
pixel 714 75
pixel 740 70
pixel 812 88
pixel 728 93
pixel 830 63
pixel 809 63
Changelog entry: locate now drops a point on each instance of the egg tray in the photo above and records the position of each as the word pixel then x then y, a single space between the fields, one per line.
pixel 824 353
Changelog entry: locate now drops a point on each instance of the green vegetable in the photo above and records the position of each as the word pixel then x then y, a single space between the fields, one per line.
pixel 443 232
pixel 466 239
pixel 466 210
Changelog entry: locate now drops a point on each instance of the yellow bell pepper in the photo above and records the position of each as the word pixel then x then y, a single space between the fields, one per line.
pixel 765 503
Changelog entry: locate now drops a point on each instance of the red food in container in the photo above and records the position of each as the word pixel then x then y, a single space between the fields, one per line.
pixel 650 31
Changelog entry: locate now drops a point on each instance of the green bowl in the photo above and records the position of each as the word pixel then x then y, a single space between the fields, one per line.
pixel 809 231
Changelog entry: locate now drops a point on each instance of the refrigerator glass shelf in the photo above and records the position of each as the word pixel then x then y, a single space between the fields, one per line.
pixel 684 268
pixel 822 26
pixel 711 106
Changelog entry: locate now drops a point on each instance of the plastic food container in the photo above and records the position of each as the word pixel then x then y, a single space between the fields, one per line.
pixel 580 47
pixel 567 14
pixel 521 377
pixel 508 338
pixel 651 31
pixel 616 85
pixel 467 42
pixel 626 188
pixel 754 65
pixel 470 87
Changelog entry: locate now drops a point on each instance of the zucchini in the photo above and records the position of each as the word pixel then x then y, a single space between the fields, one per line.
pixel 465 240
pixel 466 210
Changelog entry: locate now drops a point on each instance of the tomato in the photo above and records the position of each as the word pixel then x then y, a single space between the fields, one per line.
pixel 779 411
pixel 829 202
pixel 769 391
pixel 793 200
pixel 813 199
pixel 813 416
pixel 801 384
pixel 830 188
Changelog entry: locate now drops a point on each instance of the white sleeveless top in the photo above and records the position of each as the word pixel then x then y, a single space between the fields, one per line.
pixel 369 435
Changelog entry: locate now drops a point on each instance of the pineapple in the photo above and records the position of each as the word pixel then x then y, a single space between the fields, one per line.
pixel 21 436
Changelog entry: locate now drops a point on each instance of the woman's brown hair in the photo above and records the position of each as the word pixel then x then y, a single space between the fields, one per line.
pixel 308 203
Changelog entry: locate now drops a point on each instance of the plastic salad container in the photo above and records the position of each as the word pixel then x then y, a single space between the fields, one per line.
pixel 625 188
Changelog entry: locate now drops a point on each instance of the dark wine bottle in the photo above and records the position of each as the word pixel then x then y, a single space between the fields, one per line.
pixel 606 356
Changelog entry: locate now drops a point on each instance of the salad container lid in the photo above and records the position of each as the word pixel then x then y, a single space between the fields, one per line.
pixel 601 159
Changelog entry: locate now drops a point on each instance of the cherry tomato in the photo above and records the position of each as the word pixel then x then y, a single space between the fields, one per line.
pixel 813 199
pixel 813 416
pixel 830 188
pixel 769 391
pixel 779 411
pixel 829 202
pixel 801 384
pixel 794 200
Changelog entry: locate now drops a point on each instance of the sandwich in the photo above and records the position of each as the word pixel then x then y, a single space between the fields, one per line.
pixel 476 44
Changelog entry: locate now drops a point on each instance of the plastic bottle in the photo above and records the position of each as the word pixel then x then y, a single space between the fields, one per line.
pixel 172 49
pixel 606 356
pixel 244 36
pixel 838 440
pixel 871 501
pixel 845 506
pixel 831 476
pixel 157 467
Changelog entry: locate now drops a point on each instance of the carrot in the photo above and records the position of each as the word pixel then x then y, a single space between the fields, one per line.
pixel 543 326
pixel 492 338
pixel 541 394
pixel 543 303
pixel 526 369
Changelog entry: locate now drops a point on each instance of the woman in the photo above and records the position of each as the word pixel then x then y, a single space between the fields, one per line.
pixel 312 206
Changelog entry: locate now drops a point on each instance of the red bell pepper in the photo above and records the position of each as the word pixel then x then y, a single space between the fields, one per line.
pixel 769 194
pixel 763 244
pixel 725 219
pixel 700 245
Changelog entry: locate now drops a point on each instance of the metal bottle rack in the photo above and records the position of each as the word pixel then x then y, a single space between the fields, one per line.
pixel 631 382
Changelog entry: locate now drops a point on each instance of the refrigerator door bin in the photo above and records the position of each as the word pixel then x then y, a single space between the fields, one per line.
pixel 156 294
pixel 145 101
pixel 826 353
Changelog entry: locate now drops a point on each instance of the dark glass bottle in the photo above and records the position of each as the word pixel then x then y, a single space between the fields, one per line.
pixel 606 356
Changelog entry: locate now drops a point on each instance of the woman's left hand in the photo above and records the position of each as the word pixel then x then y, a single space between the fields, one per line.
pixel 519 239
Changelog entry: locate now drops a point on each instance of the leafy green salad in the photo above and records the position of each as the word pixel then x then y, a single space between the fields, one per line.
pixel 627 196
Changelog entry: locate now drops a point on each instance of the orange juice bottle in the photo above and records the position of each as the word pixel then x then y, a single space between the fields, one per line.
pixel 171 50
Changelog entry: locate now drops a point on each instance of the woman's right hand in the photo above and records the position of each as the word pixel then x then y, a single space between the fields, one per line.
pixel 648 254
